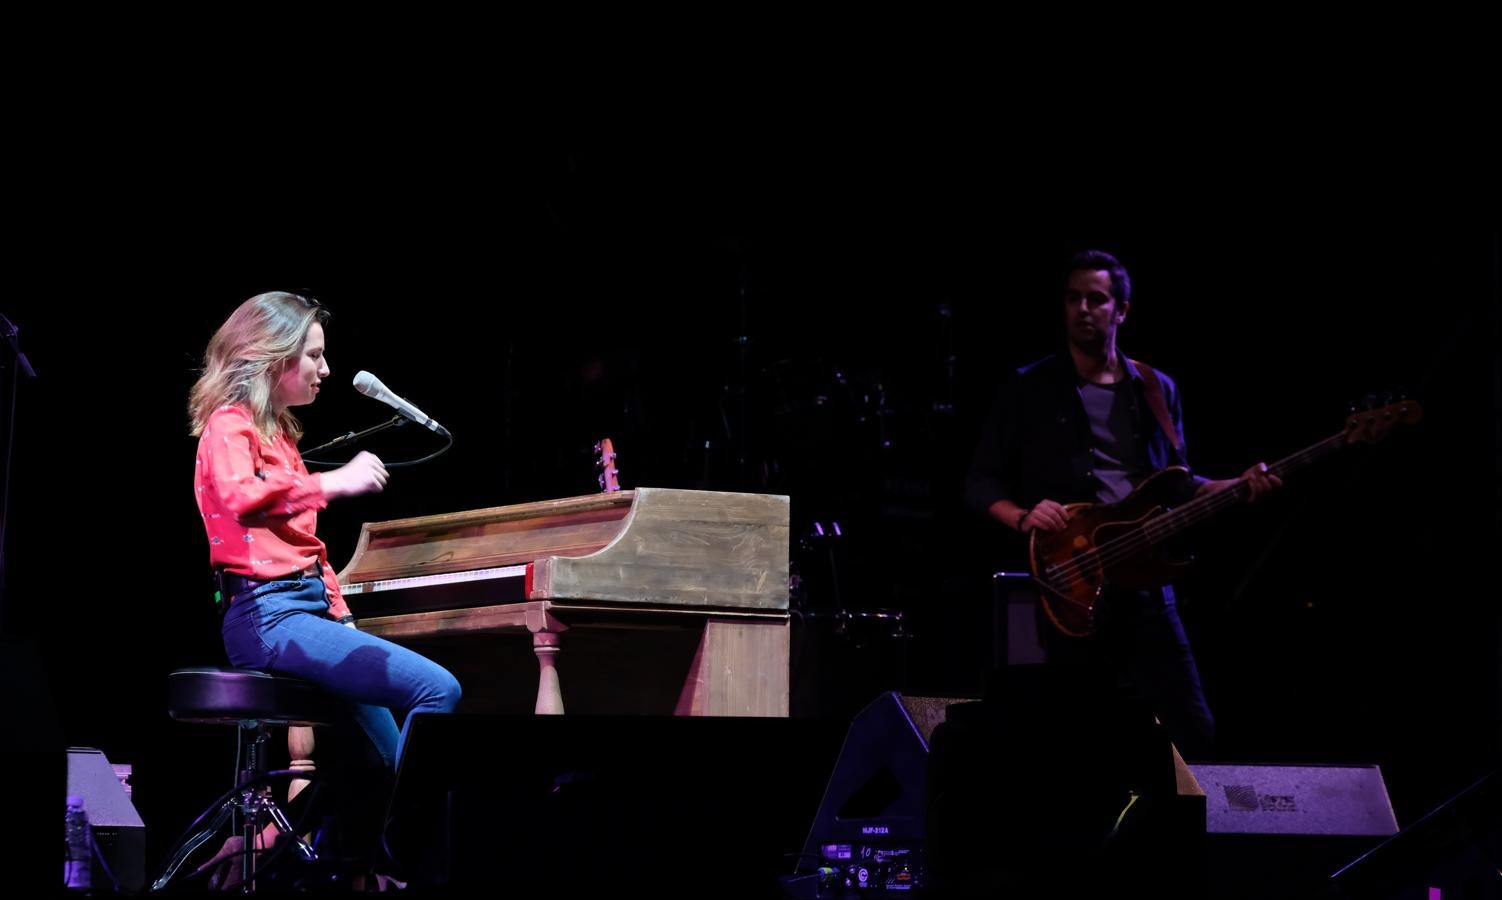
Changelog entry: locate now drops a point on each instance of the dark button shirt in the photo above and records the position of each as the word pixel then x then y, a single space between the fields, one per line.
pixel 1036 441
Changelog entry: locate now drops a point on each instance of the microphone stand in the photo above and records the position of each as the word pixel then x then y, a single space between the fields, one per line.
pixel 352 436
pixel 19 366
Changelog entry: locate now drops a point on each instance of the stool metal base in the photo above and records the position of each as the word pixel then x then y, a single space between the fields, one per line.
pixel 252 798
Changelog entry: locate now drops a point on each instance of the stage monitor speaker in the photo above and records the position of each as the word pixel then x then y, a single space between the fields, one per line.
pixel 1282 830
pixel 1283 799
pixel 119 833
pixel 576 804
pixel 871 823
pixel 1453 851
pixel 876 800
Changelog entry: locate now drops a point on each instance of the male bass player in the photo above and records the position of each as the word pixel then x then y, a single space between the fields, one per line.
pixel 1087 426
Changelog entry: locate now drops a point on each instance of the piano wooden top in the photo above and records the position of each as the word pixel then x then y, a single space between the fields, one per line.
pixel 649 546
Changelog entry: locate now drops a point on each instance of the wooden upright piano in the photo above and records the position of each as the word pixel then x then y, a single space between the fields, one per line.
pixel 710 565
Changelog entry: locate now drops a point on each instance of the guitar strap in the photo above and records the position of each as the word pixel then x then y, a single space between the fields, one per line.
pixel 1155 400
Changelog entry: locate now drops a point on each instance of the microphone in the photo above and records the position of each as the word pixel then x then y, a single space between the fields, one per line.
pixel 371 386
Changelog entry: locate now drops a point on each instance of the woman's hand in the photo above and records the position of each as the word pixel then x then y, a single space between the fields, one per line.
pixel 365 474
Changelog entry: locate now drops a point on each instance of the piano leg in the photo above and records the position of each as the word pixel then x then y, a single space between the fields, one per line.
pixel 300 749
pixel 549 694
pixel 740 669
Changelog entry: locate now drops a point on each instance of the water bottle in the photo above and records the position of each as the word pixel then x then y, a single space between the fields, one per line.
pixel 79 863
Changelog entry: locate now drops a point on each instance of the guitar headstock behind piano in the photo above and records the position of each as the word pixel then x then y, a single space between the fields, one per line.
pixel 608 477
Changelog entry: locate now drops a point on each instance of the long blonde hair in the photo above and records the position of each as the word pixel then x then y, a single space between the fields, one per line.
pixel 247 356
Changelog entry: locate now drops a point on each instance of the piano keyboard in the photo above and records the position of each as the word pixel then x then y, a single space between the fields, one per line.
pixel 425 593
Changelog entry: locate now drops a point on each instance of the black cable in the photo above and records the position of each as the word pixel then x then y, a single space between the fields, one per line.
pixel 351 437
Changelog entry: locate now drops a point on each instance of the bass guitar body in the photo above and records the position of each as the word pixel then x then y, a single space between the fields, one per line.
pixel 1073 566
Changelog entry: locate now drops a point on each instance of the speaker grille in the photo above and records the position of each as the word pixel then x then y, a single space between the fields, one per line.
pixel 927 713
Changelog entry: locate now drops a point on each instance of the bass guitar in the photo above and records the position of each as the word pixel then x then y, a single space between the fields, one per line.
pixel 1123 543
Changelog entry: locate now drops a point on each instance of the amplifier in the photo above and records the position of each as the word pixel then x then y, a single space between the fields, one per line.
pixel 118 830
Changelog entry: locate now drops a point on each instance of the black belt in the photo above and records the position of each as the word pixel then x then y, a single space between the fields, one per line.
pixel 233 585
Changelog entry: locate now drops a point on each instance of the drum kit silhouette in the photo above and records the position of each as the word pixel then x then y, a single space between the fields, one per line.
pixel 834 437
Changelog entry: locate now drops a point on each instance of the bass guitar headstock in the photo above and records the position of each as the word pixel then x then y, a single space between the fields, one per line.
pixel 1374 423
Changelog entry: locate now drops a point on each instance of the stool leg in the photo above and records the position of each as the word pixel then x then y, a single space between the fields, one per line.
pixel 279 819
pixel 193 843
pixel 259 806
pixel 251 797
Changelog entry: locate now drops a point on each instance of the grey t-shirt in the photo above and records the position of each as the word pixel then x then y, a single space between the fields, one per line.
pixel 1119 459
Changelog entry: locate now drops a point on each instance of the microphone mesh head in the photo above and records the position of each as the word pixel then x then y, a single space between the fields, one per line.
pixel 368 384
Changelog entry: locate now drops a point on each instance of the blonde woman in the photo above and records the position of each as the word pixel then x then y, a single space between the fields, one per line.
pixel 283 611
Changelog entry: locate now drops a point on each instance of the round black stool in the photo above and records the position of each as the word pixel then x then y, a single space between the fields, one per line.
pixel 254 701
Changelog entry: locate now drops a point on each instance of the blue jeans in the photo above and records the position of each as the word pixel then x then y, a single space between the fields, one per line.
pixel 1142 646
pixel 283 627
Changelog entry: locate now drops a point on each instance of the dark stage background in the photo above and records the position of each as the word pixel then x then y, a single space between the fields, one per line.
pixel 825 323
